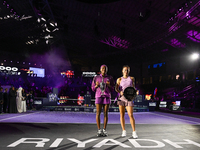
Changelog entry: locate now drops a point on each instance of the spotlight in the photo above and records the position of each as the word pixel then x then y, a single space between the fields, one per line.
pixel 195 56
pixel 48 30
pixel 43 19
pixel 51 24
pixel 55 29
pixel 38 20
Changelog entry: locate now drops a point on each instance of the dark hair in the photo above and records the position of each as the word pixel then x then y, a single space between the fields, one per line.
pixel 127 67
pixel 105 68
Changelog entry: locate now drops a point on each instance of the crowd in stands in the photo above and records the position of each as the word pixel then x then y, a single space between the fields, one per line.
pixel 74 86
pixel 15 100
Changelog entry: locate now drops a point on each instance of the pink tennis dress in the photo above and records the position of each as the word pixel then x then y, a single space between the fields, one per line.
pixel 125 82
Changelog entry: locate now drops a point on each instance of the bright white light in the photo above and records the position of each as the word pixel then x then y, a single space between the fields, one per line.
pixel 195 56
pixel 48 30
pixel 38 20
pixel 55 29
pixel 51 24
pixel 43 19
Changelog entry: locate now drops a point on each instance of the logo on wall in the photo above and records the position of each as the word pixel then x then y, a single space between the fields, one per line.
pixel 9 70
pixel 68 74
pixel 52 97
pixel 89 74
pixel 29 72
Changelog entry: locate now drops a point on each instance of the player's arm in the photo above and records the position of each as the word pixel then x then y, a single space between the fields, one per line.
pixel 133 81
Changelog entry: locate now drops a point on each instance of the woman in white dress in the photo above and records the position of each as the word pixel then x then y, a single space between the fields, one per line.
pixel 19 100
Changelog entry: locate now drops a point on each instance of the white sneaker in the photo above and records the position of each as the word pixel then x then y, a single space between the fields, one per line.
pixel 104 133
pixel 99 133
pixel 134 134
pixel 123 133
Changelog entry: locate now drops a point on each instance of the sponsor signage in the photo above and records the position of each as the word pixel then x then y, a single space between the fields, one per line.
pixel 152 104
pixel 9 70
pixel 163 104
pixel 89 74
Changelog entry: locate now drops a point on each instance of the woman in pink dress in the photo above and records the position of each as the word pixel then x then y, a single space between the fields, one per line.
pixel 122 83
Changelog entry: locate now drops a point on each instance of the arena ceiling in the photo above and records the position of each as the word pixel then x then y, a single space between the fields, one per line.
pixel 106 31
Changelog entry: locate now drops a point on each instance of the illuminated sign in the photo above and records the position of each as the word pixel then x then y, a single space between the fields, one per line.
pixel 89 74
pixel 40 72
pixel 163 104
pixel 152 104
pixel 148 96
pixel 68 74
pixel 178 103
pixel 9 70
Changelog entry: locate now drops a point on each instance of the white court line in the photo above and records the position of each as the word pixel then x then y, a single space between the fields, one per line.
pixel 176 118
pixel 18 116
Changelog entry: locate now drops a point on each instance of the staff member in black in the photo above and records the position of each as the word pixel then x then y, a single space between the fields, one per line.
pixel 12 98
pixel 30 100
pixel 1 99
pixel 5 99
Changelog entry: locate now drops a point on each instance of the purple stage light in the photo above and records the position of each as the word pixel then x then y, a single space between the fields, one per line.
pixel 193 35
pixel 164 50
pixel 116 42
pixel 175 43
